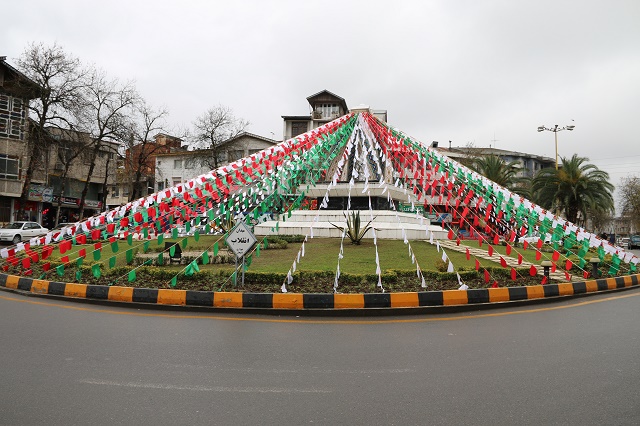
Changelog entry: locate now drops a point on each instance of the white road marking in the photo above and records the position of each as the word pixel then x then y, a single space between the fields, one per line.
pixel 162 386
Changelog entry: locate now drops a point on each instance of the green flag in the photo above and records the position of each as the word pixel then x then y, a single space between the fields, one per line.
pixel 114 246
pixel 132 275
pixel 112 262
pixel 96 255
pixel 174 281
pixel 174 233
pixel 205 258
pixel 130 239
pixel 160 259
pixel 78 275
pixel 129 255
pixel 60 270
pixel 96 270
pixel 160 239
pixel 215 249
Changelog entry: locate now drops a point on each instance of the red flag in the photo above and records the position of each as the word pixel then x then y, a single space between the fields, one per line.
pixel 487 277
pixel 567 276
pixel 467 254
pixel 525 244
pixel 477 265
pixel 538 255
pixel 26 263
pixel 503 262
pixel 555 256
pixel 496 240
pixel 544 280
pixel 490 250
pixel 519 259
pixel 553 267
pixel 495 284
pixel 514 275
pixel 539 244
pixel 508 249
pixel 450 234
pixel 585 274
pixel 533 271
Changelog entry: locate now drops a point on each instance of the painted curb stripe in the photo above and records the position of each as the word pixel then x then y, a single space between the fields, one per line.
pixel 377 300
pixel 315 301
pixel 199 298
pixel 145 295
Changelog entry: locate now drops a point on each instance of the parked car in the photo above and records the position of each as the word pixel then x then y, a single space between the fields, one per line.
pixel 624 243
pixel 634 242
pixel 19 231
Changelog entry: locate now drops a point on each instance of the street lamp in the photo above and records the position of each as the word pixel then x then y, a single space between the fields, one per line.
pixel 555 130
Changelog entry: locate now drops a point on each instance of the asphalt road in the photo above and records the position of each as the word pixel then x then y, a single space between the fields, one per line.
pixel 568 362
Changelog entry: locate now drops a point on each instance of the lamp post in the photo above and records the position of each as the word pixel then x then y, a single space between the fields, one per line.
pixel 555 130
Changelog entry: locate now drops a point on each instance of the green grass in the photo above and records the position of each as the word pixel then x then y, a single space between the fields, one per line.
pixel 321 254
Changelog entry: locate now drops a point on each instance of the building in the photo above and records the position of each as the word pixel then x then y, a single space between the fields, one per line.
pixel 529 163
pixel 324 106
pixel 138 167
pixel 67 167
pixel 16 90
pixel 172 168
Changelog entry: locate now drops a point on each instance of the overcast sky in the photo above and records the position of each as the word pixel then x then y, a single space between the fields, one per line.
pixel 486 72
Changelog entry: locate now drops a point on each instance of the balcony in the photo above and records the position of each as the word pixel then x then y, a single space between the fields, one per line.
pixel 11 188
pixel 323 115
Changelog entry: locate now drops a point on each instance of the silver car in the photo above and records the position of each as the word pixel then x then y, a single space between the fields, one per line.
pixel 15 232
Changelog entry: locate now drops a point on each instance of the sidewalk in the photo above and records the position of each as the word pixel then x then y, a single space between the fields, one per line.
pixel 511 262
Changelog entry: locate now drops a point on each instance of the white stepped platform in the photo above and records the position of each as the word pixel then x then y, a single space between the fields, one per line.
pixel 387 225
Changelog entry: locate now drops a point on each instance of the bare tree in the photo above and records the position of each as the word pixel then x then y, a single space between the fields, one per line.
pixel 107 106
pixel 141 150
pixel 61 80
pixel 630 195
pixel 69 146
pixel 212 129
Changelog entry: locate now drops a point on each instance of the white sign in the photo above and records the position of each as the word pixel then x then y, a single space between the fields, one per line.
pixel 240 239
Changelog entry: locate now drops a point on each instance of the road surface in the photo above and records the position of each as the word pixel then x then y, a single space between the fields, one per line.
pixel 574 361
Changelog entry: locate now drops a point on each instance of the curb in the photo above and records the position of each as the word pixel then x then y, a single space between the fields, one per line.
pixel 314 301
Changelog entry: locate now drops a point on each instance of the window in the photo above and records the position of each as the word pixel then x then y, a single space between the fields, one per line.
pixel 9 167
pixel 125 191
pixel 235 155
pixel 298 128
pixel 190 163
pixel 115 191
pixel 177 164
pixel 160 186
pixel 253 151
pixel 327 111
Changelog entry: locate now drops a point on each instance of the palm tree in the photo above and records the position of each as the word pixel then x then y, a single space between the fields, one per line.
pixel 575 189
pixel 499 171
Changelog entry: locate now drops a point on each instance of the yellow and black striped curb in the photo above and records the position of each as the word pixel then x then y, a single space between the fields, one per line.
pixel 301 301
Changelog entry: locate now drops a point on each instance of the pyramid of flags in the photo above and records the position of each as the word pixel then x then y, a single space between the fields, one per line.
pixel 355 147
